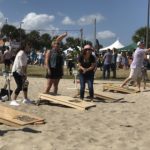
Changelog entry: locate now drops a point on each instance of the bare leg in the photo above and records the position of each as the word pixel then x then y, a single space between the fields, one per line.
pixel 56 82
pixel 49 85
pixel 125 82
pixel 139 83
pixel 15 97
pixel 25 94
pixel 144 84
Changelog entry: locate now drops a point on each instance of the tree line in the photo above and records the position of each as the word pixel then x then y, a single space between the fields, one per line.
pixel 39 41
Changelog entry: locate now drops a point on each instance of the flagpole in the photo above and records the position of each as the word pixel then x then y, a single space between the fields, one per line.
pixel 147 29
pixel 81 32
pixel 94 33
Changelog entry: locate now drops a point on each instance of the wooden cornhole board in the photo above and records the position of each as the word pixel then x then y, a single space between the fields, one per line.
pixel 103 96
pixel 14 117
pixel 116 88
pixel 67 101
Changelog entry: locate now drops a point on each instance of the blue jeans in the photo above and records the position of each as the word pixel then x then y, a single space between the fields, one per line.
pixel 89 80
pixel 106 68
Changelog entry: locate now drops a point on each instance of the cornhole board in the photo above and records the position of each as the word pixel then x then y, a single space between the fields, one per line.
pixel 102 96
pixel 116 88
pixel 105 97
pixel 12 117
pixel 67 101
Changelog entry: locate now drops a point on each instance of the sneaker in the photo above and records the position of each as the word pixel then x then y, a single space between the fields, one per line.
pixel 27 101
pixel 14 103
pixel 4 98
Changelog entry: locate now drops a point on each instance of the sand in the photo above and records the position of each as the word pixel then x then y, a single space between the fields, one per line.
pixel 123 125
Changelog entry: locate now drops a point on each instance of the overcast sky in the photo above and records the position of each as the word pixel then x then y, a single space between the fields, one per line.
pixel 116 19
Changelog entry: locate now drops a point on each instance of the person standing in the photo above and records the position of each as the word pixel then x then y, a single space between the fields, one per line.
pixel 107 64
pixel 113 62
pixel 136 65
pixel 19 71
pixel 118 60
pixel 70 60
pixel 86 64
pixel 54 62
pixel 7 58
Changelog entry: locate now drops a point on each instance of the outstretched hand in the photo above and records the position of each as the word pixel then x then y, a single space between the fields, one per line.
pixel 60 37
pixel 65 34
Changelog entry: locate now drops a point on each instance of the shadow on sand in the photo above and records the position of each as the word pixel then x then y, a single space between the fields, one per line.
pixel 28 130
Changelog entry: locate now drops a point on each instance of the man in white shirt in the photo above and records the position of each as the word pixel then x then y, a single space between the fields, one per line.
pixel 19 71
pixel 137 64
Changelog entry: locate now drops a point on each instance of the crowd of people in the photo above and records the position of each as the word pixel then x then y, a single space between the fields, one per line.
pixel 106 61
pixel 138 66
pixel 53 62
pixel 87 63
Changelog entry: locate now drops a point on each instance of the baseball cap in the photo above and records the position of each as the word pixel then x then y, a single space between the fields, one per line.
pixel 139 43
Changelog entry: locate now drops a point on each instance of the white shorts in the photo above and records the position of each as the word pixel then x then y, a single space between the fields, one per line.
pixel 135 73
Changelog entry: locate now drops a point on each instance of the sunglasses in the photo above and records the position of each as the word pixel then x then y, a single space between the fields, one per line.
pixel 57 43
pixel 88 49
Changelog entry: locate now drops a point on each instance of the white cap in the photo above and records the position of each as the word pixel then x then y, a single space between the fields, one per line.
pixel 139 43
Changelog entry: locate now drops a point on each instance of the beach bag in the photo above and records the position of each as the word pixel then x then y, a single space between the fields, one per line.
pixel 5 92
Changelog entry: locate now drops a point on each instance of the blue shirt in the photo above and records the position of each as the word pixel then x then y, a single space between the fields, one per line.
pixel 107 58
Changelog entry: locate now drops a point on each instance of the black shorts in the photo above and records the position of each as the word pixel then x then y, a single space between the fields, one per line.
pixel 56 73
pixel 7 62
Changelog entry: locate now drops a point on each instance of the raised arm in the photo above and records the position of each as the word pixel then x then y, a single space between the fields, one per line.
pixel 60 37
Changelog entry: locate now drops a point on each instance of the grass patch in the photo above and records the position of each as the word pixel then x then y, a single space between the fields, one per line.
pixel 38 71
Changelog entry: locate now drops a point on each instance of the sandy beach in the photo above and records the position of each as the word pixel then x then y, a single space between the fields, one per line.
pixel 122 125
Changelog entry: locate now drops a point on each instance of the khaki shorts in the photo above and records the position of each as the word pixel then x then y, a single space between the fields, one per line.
pixel 135 73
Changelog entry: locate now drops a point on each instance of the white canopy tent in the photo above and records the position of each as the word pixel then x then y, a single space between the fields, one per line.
pixel 79 48
pixel 116 45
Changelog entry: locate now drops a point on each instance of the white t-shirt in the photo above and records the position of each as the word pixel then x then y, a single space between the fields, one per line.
pixel 20 61
pixel 118 58
pixel 138 58
pixel 40 55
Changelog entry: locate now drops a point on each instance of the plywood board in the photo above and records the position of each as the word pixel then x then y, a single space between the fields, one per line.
pixel 12 117
pixel 8 123
pixel 116 88
pixel 67 101
pixel 105 97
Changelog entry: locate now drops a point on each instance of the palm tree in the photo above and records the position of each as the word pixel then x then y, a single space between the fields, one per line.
pixel 140 34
